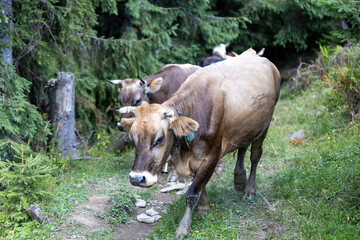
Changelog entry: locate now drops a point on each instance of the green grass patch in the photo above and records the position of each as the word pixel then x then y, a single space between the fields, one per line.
pixel 122 208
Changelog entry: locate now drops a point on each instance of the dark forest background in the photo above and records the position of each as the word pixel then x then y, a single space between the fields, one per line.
pixel 100 39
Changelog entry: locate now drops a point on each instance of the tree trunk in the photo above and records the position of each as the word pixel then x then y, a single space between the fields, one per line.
pixel 6 54
pixel 62 112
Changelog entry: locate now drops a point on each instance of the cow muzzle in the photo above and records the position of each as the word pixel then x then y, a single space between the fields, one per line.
pixel 142 179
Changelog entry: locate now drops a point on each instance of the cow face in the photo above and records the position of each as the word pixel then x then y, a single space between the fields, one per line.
pixel 153 130
pixel 134 91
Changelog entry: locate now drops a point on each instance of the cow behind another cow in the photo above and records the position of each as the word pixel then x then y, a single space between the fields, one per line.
pixel 155 88
pixel 229 106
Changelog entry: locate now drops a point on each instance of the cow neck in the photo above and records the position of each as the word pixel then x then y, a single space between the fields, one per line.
pixel 177 139
pixel 187 138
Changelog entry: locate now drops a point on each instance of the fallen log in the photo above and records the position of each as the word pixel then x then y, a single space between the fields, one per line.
pixel 119 141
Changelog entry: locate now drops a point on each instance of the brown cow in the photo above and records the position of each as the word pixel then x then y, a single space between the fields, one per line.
pixel 155 88
pixel 229 105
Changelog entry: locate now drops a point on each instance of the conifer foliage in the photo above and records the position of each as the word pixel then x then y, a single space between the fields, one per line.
pixel 99 39
pixel 18 118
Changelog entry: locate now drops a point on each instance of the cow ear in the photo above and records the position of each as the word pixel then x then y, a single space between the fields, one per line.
pixel 127 123
pixel 155 84
pixel 183 126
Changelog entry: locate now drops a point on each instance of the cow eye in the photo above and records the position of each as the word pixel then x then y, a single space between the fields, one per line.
pixel 159 140
pixel 138 102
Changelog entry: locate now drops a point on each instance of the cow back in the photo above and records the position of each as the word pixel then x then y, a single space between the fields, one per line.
pixel 234 99
pixel 173 76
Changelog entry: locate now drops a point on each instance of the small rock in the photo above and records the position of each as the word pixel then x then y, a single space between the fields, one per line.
pixel 35 213
pixel 297 134
pixel 151 212
pixel 177 186
pixel 145 218
pixel 174 176
pixel 140 203
pixel 156 217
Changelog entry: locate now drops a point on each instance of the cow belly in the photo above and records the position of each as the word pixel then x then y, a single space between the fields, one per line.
pixel 245 126
pixel 241 138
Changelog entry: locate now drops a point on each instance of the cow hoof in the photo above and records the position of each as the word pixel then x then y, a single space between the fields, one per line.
pixel 248 195
pixel 203 209
pixel 180 233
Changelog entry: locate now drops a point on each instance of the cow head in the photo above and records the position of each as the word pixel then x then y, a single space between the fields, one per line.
pixel 134 91
pixel 154 130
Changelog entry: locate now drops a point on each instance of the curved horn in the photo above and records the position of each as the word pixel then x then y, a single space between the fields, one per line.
pixel 118 81
pixel 261 52
pixel 126 110
pixel 142 81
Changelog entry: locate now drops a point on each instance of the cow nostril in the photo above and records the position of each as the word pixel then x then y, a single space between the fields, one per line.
pixel 143 181
pixel 138 180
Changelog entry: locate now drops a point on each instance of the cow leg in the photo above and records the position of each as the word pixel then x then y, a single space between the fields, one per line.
pixel 239 171
pixel 204 202
pixel 193 194
pixel 256 151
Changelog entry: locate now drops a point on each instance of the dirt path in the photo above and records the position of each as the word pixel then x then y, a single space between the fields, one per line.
pixel 88 221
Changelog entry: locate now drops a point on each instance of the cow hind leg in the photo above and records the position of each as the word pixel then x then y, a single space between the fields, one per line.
pixel 256 152
pixel 204 203
pixel 239 171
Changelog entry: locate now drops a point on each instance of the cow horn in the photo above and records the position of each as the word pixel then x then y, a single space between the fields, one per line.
pixel 118 81
pixel 142 81
pixel 126 110
pixel 261 52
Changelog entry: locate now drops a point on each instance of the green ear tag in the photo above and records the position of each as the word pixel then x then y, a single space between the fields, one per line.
pixel 189 137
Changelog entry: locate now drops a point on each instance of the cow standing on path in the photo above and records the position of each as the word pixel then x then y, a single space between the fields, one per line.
pixel 228 105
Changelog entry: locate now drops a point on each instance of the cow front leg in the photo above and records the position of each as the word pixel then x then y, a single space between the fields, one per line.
pixel 256 151
pixel 196 189
pixel 184 225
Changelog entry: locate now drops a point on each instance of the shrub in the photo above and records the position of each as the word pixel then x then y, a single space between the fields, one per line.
pixel 345 80
pixel 23 181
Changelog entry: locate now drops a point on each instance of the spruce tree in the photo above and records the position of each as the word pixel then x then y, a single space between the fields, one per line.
pixel 19 119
